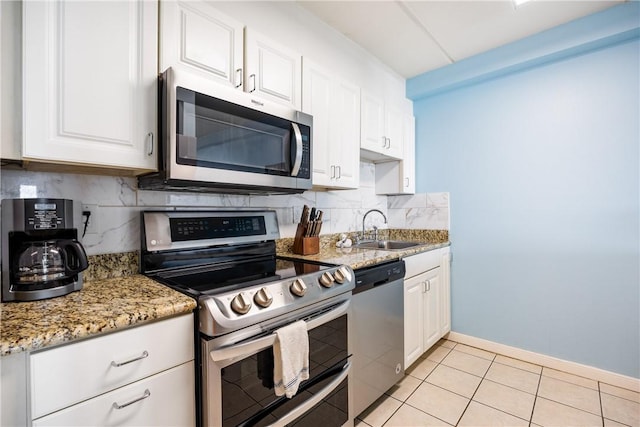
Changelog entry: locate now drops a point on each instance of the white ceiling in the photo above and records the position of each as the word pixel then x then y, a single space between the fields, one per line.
pixel 413 37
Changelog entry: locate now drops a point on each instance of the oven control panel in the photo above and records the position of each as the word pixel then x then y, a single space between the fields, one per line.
pixel 225 312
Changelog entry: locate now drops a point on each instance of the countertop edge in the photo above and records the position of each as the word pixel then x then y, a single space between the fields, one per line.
pixel 102 306
pixel 110 305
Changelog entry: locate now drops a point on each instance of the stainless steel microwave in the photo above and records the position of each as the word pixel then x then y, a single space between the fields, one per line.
pixel 219 139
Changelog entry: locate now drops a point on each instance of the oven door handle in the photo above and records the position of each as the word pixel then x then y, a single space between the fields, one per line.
pixel 255 346
pixel 317 398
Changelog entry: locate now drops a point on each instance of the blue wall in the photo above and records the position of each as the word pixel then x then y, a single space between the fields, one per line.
pixel 543 169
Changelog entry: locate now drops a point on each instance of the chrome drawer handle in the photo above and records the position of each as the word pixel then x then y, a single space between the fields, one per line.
pixel 118 364
pixel 151 147
pixel 146 394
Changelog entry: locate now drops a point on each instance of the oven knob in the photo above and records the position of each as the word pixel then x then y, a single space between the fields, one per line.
pixel 298 287
pixel 240 304
pixel 263 298
pixel 342 275
pixel 326 280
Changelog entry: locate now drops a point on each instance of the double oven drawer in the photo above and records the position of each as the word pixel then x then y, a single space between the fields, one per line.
pixel 238 380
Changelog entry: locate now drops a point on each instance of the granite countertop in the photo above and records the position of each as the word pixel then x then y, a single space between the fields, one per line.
pixel 101 306
pixel 115 297
pixel 358 258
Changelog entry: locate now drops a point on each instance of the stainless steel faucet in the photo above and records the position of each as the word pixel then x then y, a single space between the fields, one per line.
pixel 375 229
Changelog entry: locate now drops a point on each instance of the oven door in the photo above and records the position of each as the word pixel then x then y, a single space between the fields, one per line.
pixel 238 379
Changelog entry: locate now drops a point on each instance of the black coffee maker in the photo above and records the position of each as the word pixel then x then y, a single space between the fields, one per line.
pixel 41 255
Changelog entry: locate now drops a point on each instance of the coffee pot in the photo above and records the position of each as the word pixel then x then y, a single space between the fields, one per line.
pixel 43 261
pixel 42 256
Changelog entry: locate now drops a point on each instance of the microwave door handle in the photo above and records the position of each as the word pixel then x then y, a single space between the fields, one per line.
pixel 298 160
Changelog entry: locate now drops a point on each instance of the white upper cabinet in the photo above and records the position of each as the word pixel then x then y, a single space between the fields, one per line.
pixel 381 137
pixel 335 107
pixel 408 165
pixel 273 71
pixel 198 37
pixel 194 35
pixel 399 176
pixel 89 91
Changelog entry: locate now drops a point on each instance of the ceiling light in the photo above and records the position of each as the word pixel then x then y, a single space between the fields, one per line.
pixel 519 2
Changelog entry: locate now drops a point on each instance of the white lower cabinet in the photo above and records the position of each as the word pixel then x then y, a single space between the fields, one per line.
pixel 140 376
pixel 427 311
pixel 164 399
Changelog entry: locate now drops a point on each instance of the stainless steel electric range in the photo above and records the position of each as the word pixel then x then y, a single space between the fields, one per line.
pixel 227 261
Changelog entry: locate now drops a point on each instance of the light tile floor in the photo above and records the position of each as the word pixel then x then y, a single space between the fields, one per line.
pixel 454 384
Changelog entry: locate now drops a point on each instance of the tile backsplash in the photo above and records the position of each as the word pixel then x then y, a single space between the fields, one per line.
pixel 119 203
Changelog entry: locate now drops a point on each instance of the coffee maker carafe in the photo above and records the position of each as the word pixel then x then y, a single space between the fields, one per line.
pixel 41 256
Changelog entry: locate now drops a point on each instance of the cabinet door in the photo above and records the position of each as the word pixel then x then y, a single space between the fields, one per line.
pixel 398 177
pixel 274 71
pixel 335 107
pixel 164 399
pixel 10 73
pixel 316 100
pixel 196 36
pixel 345 144
pixel 65 375
pixel 432 304
pixel 408 164
pixel 372 124
pixel 445 294
pixel 90 72
pixel 413 319
pixel 393 131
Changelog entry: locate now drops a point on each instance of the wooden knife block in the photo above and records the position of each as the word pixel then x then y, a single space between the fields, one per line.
pixel 305 245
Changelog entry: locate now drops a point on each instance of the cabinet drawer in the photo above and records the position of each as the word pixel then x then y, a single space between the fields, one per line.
pixel 164 399
pixel 66 375
pixel 424 261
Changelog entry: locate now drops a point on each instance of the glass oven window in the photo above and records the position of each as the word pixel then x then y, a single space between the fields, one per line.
pixel 218 134
pixel 247 385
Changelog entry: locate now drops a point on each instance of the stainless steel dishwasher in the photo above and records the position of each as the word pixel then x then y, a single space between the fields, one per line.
pixel 377 334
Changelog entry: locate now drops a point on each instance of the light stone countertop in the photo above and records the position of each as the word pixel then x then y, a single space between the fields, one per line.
pixel 108 303
pixel 100 306
pixel 359 258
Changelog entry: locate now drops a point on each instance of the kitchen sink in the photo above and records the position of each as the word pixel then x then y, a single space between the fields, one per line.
pixel 389 245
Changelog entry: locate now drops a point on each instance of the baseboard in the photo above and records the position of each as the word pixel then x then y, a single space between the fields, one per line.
pixel 598 374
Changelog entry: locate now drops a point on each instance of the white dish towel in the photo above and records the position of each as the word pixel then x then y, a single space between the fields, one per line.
pixel 290 358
